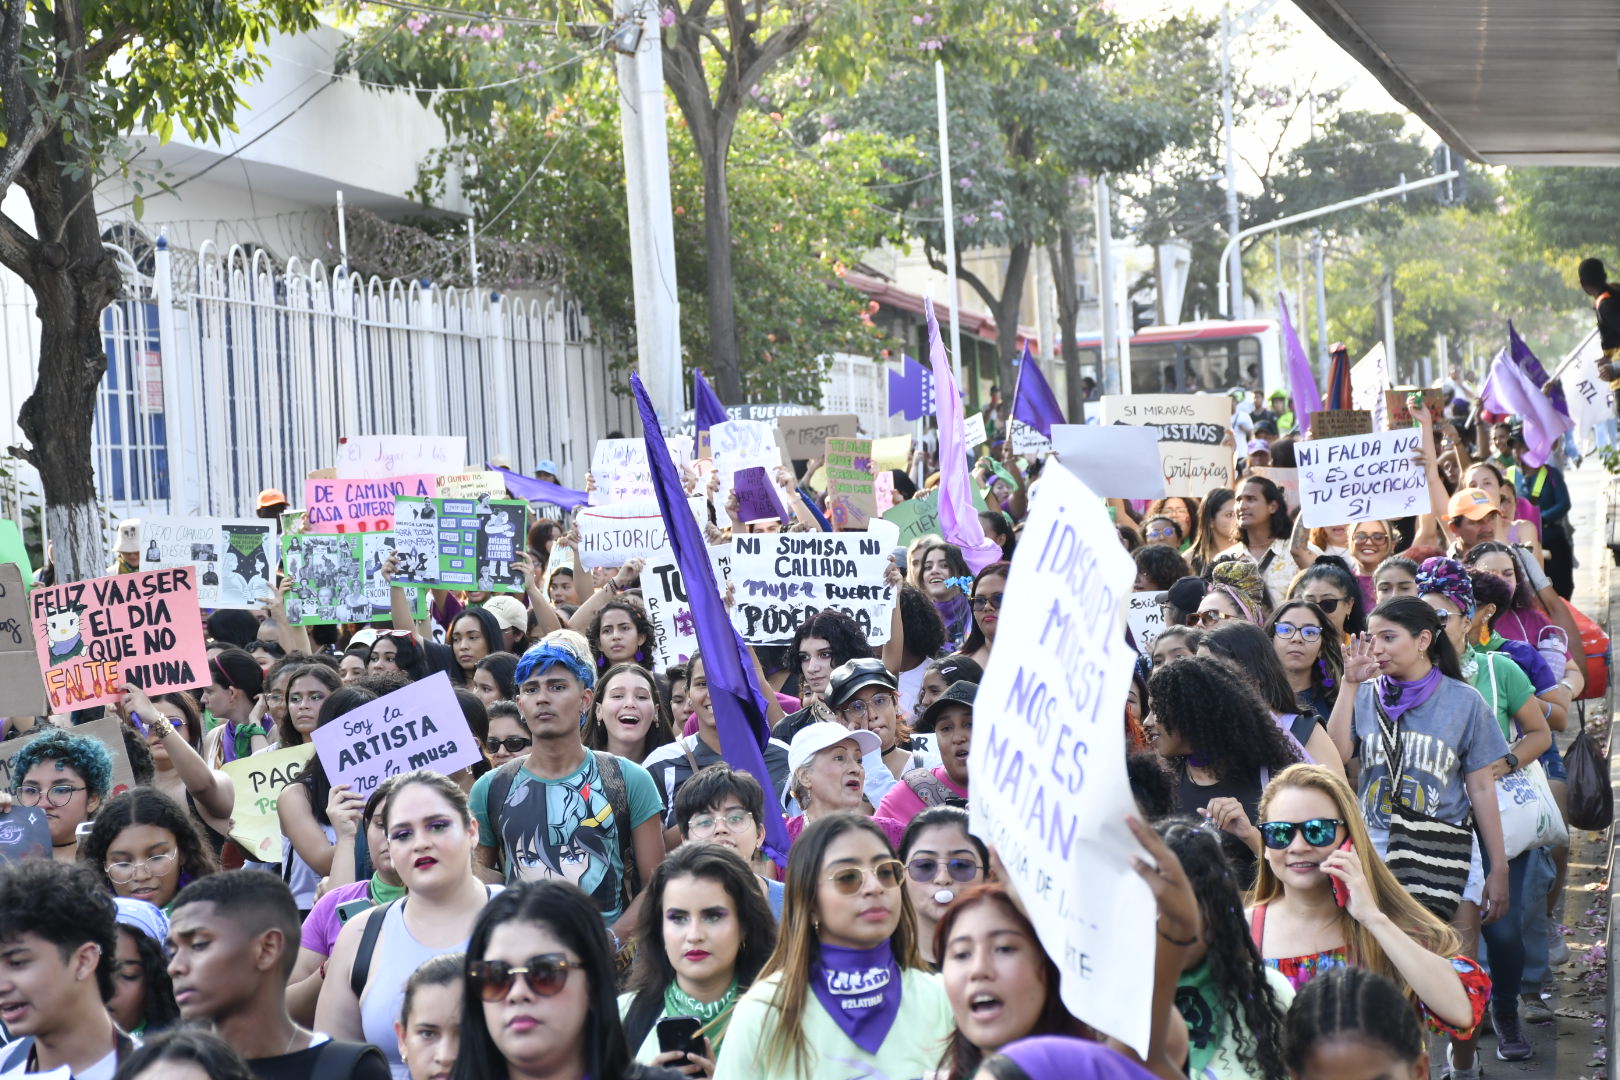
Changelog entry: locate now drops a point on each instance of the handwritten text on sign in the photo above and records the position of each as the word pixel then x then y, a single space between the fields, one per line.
pixel 1361 477
pixel 781 579
pixel 1145 617
pixel 257 782
pixel 670 611
pixel 420 726
pixel 613 535
pixel 401 455
pixel 1191 429
pixel 363 505
pixel 95 636
pixel 1048 758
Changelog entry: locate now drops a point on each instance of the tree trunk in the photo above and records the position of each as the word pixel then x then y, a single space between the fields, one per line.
pixel 725 356
pixel 1007 309
pixel 1068 300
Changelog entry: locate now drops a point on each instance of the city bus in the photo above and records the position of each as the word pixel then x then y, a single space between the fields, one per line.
pixel 1212 355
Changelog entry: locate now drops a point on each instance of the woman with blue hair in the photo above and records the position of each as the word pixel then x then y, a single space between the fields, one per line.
pixel 68 777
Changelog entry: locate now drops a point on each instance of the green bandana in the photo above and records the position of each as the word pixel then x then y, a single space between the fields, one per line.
pixel 383 893
pixel 714 1014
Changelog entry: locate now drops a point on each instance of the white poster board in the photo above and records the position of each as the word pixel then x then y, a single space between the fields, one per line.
pixel 1368 381
pixel 781 579
pixel 1117 462
pixel 1362 478
pixel 1591 402
pixel 1145 617
pixel 1050 791
pixel 361 456
pixel 235 559
pixel 663 591
pixel 614 534
pixel 1192 429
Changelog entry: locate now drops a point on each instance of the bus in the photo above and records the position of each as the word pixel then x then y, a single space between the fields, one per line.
pixel 1212 355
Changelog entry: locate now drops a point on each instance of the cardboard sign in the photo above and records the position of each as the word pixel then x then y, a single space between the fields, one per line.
pixel 1145 618
pixel 757 499
pixel 916 517
pixel 1368 381
pixel 781 579
pixel 742 444
pixel 24 834
pixel 258 781
pixel 22 689
pixel 467 485
pixel 851 501
pixel 337 578
pixel 460 543
pixel 973 433
pixel 105 731
pixel 234 561
pixel 664 592
pixel 1048 758
pixel 95 636
pixel 420 726
pixel 1397 415
pixel 1118 462
pixel 362 456
pixel 1334 423
pixel 619 472
pixel 893 452
pixel 1192 432
pixel 1362 478
pixel 1027 440
pixel 13 550
pixel 805 437
pixel 367 505
pixel 1287 479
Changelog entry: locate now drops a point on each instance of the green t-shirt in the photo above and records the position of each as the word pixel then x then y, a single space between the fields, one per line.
pixel 1212 1045
pixel 1501 682
pixel 565 828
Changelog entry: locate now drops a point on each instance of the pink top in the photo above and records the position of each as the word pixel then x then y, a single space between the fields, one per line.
pixel 902 804
pixel 893 829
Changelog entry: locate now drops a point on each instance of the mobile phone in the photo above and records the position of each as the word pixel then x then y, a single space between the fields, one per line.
pixel 900 555
pixel 680 1033
pixel 349 910
pixel 1341 891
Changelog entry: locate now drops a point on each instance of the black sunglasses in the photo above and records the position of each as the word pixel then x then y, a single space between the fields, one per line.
pixel 992 601
pixel 923 868
pixel 1332 605
pixel 546 975
pixel 1318 832
pixel 512 743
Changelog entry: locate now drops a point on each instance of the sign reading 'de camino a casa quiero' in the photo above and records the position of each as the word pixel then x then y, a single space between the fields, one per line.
pixel 420 726
pixel 142 629
pixel 781 579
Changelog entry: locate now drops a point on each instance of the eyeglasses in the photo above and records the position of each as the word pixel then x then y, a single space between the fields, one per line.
pixel 273 696
pixel 1287 630
pixel 1160 534
pixel 1371 538
pixel 57 795
pixel 1443 615
pixel 122 873
pixel 1330 604
pixel 923 868
pixel 861 708
pixel 703 826
pixel 546 975
pixel 849 879
pixel 1211 617
pixel 512 744
pixel 1318 832
pixel 992 601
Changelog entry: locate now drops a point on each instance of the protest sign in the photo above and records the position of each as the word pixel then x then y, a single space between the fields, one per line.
pixel 363 456
pixel 805 437
pixel 337 578
pixel 757 499
pixel 1118 462
pixel 1048 758
pixel 1026 439
pixel 1287 479
pixel 1144 616
pixel 1368 381
pixel 613 535
pixel 742 444
pixel 460 543
pixel 663 591
pixel 1334 423
pixel 1590 400
pixel 22 689
pixel 619 471
pixel 234 561
pixel 105 731
pixel 1397 415
pixel 916 517
pixel 467 485
pixel 850 498
pixel 24 834
pixel 257 782
pixel 1192 428
pixel 96 636
pixel 13 550
pixel 360 505
pixel 420 726
pixel 893 452
pixel 1362 478
pixel 973 433
pixel 884 496
pixel 782 579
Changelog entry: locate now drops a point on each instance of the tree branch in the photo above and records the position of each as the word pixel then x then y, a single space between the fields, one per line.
pixel 17 249
pixel 97 55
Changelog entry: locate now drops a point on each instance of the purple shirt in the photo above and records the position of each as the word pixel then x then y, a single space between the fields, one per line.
pixel 321 925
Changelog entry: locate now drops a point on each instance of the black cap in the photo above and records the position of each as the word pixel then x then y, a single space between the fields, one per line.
pixel 1185 595
pixel 851 675
pixel 958 693
pixel 956 668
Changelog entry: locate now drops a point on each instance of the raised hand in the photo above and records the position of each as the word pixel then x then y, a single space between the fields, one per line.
pixel 1360 665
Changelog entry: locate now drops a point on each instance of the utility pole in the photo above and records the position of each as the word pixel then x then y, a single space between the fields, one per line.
pixel 1108 353
pixel 1388 305
pixel 1229 125
pixel 950 220
pixel 639 52
pixel 1321 300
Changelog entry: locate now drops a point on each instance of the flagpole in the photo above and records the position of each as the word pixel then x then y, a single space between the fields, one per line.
pixel 950 218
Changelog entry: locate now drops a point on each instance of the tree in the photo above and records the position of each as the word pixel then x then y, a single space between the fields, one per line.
pixel 76 81
pixel 1569 209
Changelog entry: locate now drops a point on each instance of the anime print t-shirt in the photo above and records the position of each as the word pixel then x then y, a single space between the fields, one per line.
pixel 566 828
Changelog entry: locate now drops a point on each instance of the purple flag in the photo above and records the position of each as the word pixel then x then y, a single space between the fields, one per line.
pixel 1033 401
pixel 1531 366
pixel 706 408
pixel 958 521
pixel 1509 390
pixel 911 390
pixel 734 692
pixel 533 489
pixel 1301 380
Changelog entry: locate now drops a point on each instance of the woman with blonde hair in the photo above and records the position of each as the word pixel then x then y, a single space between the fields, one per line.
pixel 1323 899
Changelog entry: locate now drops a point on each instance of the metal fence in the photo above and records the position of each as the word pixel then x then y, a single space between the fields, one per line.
pixel 228 374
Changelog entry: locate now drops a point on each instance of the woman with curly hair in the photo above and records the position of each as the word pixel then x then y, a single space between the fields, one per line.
pixel 620 633
pixel 1236 591
pixel 1233 1002
pixel 1217 528
pixel 989 587
pixel 1311 656
pixel 924 639
pixel 145 846
pixel 629 717
pixel 1158 566
pixel 1220 739
pixel 1249 649
pixel 1329 585
pixel 826 640
pixel 67 776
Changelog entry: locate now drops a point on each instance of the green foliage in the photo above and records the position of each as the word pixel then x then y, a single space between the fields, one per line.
pixel 1355 153
pixel 1570 209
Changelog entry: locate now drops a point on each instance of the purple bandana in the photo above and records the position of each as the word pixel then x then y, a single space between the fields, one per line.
pixel 1399 696
pixel 860 989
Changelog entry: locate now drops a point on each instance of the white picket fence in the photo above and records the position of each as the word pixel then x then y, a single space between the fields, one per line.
pixel 228 374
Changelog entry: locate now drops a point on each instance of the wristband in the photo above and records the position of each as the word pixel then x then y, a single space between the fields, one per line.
pixel 1180 944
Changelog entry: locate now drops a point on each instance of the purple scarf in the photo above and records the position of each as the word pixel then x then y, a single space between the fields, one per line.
pixel 860 989
pixel 954 614
pixel 1398 696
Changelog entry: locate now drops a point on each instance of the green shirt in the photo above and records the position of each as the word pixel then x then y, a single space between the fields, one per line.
pixel 1501 682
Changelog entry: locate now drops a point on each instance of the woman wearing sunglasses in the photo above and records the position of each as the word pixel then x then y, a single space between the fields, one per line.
pixel 431 836
pixel 943 860
pixel 845 990
pixel 1316 846
pixel 988 589
pixel 1327 584
pixel 539 996
pixel 1249 649
pixel 1311 657
pixel 508 735
pixel 1236 591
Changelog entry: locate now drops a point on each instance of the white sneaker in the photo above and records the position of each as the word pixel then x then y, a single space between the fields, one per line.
pixel 1462 1074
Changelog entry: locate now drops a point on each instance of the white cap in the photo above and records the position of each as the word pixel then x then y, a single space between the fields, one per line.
pixel 812 739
